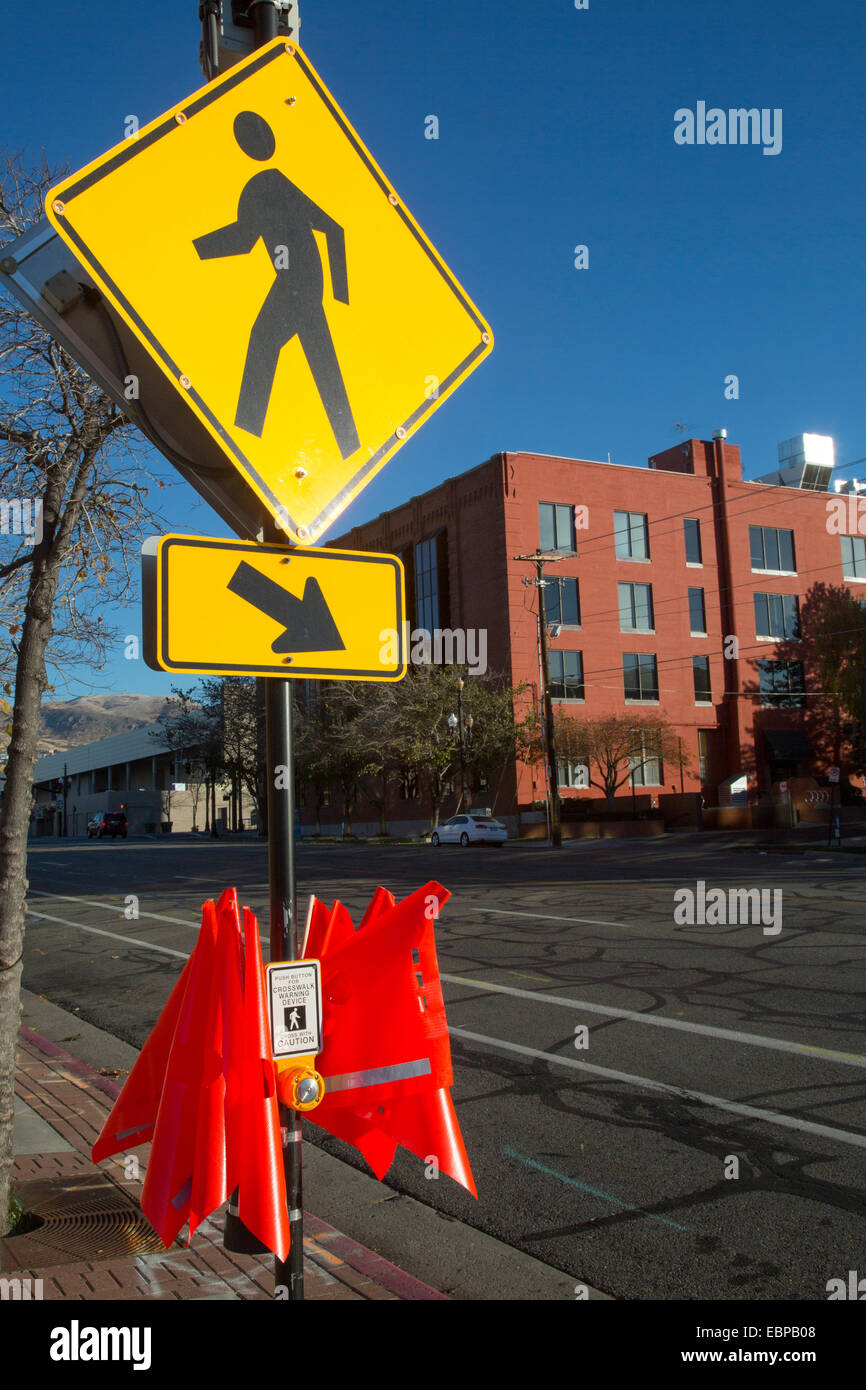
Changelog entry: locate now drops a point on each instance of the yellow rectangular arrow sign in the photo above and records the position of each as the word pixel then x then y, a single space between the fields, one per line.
pixel 239 608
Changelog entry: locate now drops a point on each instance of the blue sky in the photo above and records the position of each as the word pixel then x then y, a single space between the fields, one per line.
pixel 556 128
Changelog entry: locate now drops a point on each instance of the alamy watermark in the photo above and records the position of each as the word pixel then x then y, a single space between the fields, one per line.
pixel 442 647
pixel 846 516
pixel 736 126
pixel 77 1343
pixel 20 1290
pixel 21 516
pixel 737 907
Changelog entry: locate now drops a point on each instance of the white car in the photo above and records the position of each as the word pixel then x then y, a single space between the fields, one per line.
pixel 470 830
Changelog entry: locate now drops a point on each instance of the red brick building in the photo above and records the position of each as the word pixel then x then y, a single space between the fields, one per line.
pixel 673 586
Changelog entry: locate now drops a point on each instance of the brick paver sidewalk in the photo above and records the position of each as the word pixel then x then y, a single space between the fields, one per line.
pixel 95 1244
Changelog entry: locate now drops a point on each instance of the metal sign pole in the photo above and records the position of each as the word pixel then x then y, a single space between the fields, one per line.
pixel 288 1275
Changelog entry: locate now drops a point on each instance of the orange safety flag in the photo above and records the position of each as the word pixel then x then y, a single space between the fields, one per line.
pixel 167 1192
pixel 203 1089
pixel 133 1116
pixel 257 1144
pixel 386 1057
pixel 213 1174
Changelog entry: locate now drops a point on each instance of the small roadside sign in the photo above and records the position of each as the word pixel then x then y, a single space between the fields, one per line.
pixel 225 607
pixel 294 991
pixel 833 774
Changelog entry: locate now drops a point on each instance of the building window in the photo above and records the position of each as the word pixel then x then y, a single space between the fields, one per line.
pixel 427 585
pixel 853 557
pixel 777 615
pixel 772 549
pixel 556 527
pixel 635 608
pixel 573 774
pixel 644 765
pixel 704 756
pixel 640 676
pixel 562 602
pixel 566 675
pixel 692 533
pixel 697 613
pixel 782 683
pixel 631 535
pixel 701 673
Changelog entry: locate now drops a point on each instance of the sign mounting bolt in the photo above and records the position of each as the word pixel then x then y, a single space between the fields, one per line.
pixel 59 208
pixel 185 382
pixel 303 533
pixel 300 472
pixel 392 198
pixel 290 101
pixel 485 337
pixel 180 117
pixel 400 432
pixel 290 50
pixel 9 265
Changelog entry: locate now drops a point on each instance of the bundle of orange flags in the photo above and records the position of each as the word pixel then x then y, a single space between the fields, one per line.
pixel 386 1058
pixel 203 1090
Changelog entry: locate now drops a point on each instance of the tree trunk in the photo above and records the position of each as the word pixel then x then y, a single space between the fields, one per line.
pixel 59 522
pixel 383 808
pixel 14 825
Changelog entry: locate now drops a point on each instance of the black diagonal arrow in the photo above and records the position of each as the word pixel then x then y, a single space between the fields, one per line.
pixel 308 624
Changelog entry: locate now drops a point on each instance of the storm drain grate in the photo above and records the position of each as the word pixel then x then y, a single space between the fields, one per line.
pixel 87 1218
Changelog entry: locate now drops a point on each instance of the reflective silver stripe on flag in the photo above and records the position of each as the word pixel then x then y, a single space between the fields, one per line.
pixel 183 1196
pixel 353 1080
pixel 136 1129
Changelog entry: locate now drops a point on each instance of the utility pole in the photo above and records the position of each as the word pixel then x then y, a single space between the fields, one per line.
pixel 539 559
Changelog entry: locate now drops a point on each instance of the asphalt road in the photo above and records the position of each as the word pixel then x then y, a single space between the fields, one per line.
pixel 707 1142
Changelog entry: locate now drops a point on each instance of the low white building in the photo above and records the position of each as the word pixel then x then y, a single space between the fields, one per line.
pixel 160 790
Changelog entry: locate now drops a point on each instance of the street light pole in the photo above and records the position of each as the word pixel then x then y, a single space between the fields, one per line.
pixel 464 789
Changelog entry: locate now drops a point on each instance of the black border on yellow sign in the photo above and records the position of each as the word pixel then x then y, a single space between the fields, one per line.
pixel 216 90
pixel 155 608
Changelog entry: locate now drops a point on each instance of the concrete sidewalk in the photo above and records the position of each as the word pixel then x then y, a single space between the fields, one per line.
pixel 94 1242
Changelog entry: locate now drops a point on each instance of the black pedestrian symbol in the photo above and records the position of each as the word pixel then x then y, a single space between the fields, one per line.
pixel 273 208
pixel 295 1019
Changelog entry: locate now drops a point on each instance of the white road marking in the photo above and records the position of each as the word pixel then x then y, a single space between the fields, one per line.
pixel 750 1112
pixel 549 917
pixel 116 936
pixel 850 1059
pixel 114 907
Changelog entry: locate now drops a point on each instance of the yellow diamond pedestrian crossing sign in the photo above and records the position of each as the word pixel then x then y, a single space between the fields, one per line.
pixel 263 259
pixel 221 607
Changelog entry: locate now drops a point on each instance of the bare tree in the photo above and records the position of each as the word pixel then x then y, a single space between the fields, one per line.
pixel 614 746
pixel 68 454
